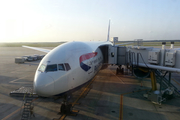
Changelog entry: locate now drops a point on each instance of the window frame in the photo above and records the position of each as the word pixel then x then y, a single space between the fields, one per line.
pixel 44 68
pixel 51 65
pixel 63 67
pixel 67 66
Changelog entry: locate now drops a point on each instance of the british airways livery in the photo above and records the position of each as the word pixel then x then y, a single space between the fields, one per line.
pixel 68 66
pixel 84 58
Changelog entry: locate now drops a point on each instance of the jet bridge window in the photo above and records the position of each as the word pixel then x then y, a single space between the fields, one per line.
pixel 67 66
pixel 61 67
pixel 112 54
pixel 51 68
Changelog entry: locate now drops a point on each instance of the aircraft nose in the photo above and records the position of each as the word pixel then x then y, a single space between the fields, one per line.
pixel 43 85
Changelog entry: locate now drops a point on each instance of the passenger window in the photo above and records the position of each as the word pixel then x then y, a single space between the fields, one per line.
pixel 67 66
pixel 61 67
pixel 51 68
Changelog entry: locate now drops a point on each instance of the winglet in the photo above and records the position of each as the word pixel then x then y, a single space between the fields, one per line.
pixel 108 30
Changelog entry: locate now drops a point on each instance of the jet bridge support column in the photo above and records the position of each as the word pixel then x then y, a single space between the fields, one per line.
pixel 163 53
pixel 153 81
pixel 131 62
pixel 169 79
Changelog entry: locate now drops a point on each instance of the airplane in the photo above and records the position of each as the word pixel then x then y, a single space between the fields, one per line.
pixel 69 66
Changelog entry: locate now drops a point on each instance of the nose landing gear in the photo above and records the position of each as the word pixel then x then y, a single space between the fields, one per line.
pixel 66 107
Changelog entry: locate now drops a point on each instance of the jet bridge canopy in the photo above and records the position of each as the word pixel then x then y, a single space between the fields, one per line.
pixel 104 50
pixel 114 54
pixel 117 55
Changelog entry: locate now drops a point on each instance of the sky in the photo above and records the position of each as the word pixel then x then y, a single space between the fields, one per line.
pixel 87 20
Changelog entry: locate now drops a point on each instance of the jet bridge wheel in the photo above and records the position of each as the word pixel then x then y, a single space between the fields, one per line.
pixel 119 70
pixel 167 96
pixel 63 108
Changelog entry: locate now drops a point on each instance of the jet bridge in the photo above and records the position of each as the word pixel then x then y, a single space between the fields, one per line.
pixel 145 60
pixel 117 55
pixel 147 57
pixel 154 58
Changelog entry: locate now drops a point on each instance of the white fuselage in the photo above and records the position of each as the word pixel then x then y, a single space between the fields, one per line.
pixel 67 67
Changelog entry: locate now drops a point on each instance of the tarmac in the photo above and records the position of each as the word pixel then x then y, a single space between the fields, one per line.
pixel 107 97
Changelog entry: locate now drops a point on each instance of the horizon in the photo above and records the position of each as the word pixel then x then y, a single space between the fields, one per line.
pixel 95 41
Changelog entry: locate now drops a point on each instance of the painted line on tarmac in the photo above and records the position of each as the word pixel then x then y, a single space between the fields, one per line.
pixel 8 116
pixel 12 113
pixel 117 77
pixel 121 107
pixel 176 81
pixel 14 81
pixel 63 117
pixel 17 79
pixel 83 91
pixel 121 102
pixel 75 102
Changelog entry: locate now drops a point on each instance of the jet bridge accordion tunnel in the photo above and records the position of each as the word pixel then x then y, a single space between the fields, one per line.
pixel 137 58
pixel 104 50
pixel 114 55
pixel 118 55
pixel 149 62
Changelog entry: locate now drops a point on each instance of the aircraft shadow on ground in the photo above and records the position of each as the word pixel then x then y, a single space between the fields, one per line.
pixel 6 87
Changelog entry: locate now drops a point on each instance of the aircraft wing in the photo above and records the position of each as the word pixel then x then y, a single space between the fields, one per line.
pixel 38 49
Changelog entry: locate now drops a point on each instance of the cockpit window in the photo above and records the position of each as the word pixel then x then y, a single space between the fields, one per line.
pixel 42 68
pixel 67 66
pixel 61 67
pixel 51 68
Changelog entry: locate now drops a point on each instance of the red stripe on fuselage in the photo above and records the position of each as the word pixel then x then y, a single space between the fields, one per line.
pixel 87 56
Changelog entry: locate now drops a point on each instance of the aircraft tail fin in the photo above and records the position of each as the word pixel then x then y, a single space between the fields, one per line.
pixel 108 30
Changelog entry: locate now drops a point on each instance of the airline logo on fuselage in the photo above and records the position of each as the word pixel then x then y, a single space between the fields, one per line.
pixel 84 58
